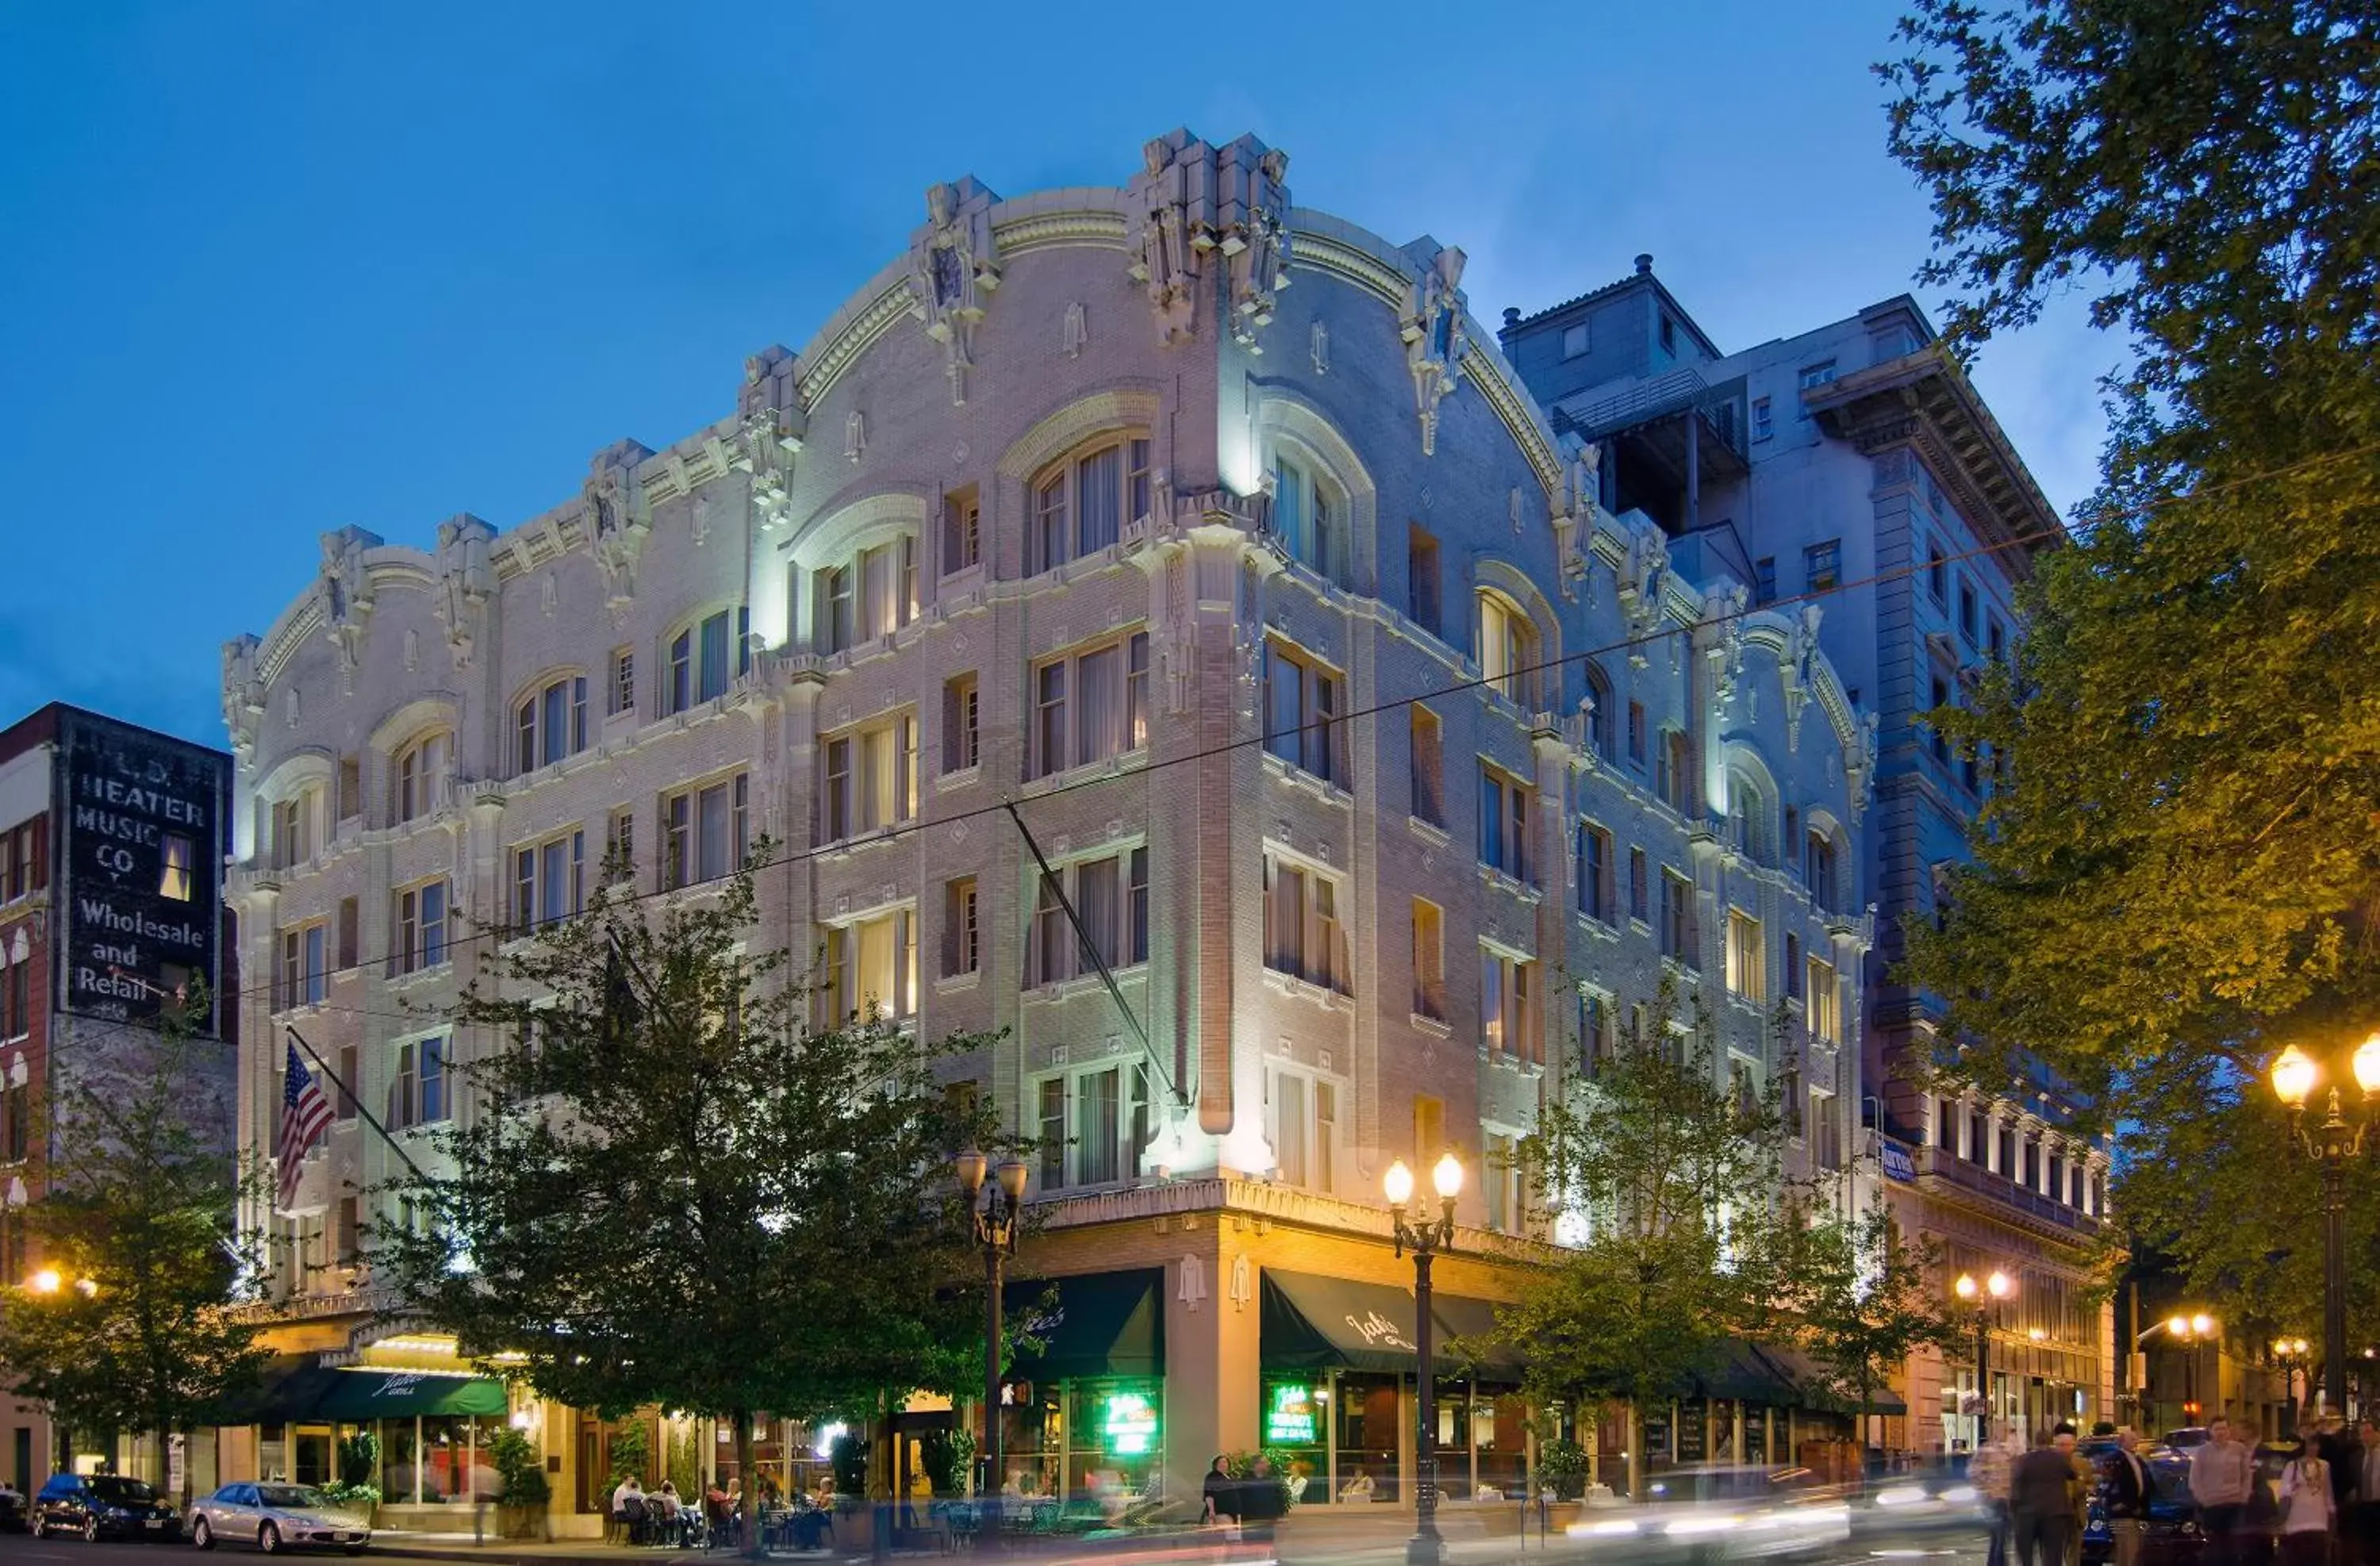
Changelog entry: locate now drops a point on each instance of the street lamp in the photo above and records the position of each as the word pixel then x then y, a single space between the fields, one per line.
pixel 994 1214
pixel 1426 1239
pixel 2289 1353
pixel 2331 1143
pixel 1983 1297
pixel 2189 1328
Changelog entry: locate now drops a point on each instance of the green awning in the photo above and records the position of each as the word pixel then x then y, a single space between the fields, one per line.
pixel 288 1391
pixel 1738 1369
pixel 1096 1324
pixel 1315 1323
pixel 354 1396
pixel 1473 1322
pixel 1810 1383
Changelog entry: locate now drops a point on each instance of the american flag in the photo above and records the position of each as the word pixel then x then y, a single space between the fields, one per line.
pixel 304 1116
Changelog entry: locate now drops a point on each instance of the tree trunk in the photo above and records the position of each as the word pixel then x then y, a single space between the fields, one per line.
pixel 751 1484
pixel 1635 1451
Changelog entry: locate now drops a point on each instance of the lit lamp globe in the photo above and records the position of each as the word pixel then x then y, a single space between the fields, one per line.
pixel 2367 1066
pixel 2000 1284
pixel 1396 1184
pixel 2201 1325
pixel 2294 1074
pixel 46 1282
pixel 2178 1326
pixel 1448 1176
pixel 1966 1288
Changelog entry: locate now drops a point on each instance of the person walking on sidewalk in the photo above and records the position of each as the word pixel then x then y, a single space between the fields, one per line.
pixel 1988 1470
pixel 2309 1510
pixel 2129 1490
pixel 2041 1504
pixel 2222 1478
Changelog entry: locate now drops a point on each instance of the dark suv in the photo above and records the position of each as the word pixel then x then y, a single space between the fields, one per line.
pixel 102 1506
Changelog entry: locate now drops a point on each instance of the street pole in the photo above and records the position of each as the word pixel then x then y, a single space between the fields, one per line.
pixel 988 1508
pixel 1427 1548
pixel 994 1216
pixel 1983 1378
pixel 2333 1264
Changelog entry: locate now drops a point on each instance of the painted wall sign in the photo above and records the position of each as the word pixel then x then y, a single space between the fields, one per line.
pixel 142 823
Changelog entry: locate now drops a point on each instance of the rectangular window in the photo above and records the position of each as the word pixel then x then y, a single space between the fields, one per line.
pixel 419 1090
pixel 1822 566
pixel 1792 966
pixel 1303 935
pixel 1504 823
pixel 872 967
pixel 1678 919
pixel 293 830
pixel 1052 1117
pixel 23 867
pixel 549 880
pixel 1640 894
pixel 1430 1129
pixel 1747 957
pixel 1824 1002
pixel 1111 897
pixel 1817 374
pixel 962 530
pixel 1508 1004
pixel 1674 777
pixel 1422 580
pixel 1575 340
pixel 1428 961
pixel 1979 1138
pixel 1763 421
pixel 1428 767
pixel 619 847
pixel 1938 575
pixel 1595 1029
pixel 1826 1131
pixel 1967 629
pixel 420 921
pixel 1997 642
pixel 1942 692
pixel 303 966
pixel 1818 871
pixel 621 692
pixel 1288 1128
pixel 962 938
pixel 705 831
pixel 962 701
pixel 1764 580
pixel 351 919
pixel 177 864
pixel 420 777
pixel 1636 733
pixel 1302 698
pixel 714 675
pixel 1594 872
pixel 1106 713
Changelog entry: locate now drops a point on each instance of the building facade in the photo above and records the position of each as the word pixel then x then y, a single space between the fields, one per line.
pixel 111 843
pixel 1385 766
pixel 1852 476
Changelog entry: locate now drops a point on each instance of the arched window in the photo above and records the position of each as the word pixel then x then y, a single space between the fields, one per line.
pixel 700 661
pixel 1751 817
pixel 871 593
pixel 1674 772
pixel 1080 503
pixel 1309 515
pixel 419 778
pixel 1507 648
pixel 1603 720
pixel 1822 868
pixel 550 722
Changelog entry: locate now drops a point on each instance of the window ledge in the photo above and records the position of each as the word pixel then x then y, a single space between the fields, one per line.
pixel 443 969
pixel 1307 989
pixel 1642 927
pixel 1297 777
pixel 1678 967
pixel 1602 929
pixel 1747 1005
pixel 1436 1027
pixel 962 777
pixel 1498 879
pixel 964 579
pixel 1428 831
pixel 852 844
pixel 1082 983
pixel 957 983
pixel 1123 762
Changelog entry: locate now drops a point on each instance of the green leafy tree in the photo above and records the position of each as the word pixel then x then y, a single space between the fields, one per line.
pixel 1859 1296
pixel 143 1336
pixel 1675 1173
pixel 2175 874
pixel 672 1188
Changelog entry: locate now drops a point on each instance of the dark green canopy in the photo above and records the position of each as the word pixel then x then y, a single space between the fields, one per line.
pixel 1095 1324
pixel 354 1396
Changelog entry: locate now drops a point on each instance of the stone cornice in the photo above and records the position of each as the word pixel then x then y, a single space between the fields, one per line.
pixel 828 357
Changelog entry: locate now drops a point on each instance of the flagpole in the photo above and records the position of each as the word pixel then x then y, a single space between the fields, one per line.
pixel 369 1118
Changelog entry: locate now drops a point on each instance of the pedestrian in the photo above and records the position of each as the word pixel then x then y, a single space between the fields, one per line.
pixel 1220 1493
pixel 1988 1470
pixel 2078 1490
pixel 1262 1501
pixel 2222 1478
pixel 2041 1503
pixel 2309 1510
pixel 2360 1538
pixel 2129 1490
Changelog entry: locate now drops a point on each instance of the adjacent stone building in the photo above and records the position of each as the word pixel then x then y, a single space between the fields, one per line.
pixel 1852 471
pixel 1385 762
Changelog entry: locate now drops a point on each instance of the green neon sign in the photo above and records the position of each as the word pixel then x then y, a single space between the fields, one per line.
pixel 1128 1424
pixel 1293 1418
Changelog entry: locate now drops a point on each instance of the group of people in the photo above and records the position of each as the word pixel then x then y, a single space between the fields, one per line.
pixel 656 1517
pixel 1252 1503
pixel 2324 1508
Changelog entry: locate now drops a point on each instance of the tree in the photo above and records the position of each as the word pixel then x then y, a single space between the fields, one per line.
pixel 2175 873
pixel 141 1334
pixel 1859 1296
pixel 1674 1175
pixel 674 1189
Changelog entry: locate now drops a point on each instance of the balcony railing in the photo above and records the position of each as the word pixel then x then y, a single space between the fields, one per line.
pixel 1941 1163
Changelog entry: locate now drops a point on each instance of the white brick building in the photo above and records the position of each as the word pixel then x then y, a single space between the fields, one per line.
pixel 1098 503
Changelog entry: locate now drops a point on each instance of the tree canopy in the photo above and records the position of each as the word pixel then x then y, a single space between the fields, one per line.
pixel 677 1186
pixel 140 1334
pixel 2175 872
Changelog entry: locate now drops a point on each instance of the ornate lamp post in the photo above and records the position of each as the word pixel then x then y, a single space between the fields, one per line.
pixel 995 1214
pixel 2331 1143
pixel 1426 1239
pixel 2289 1353
pixel 1984 1297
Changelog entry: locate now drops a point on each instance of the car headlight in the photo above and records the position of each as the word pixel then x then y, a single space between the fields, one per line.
pixel 1961 1495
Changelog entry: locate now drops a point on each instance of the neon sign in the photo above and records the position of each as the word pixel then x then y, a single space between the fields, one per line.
pixel 1128 1424
pixel 1293 1417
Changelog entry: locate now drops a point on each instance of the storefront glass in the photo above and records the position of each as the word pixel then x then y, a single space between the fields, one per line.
pixel 445 1458
pixel 272 1451
pixel 1367 1408
pixel 1030 1426
pixel 398 1471
pixel 1296 1424
pixel 1500 1452
pixel 1117 1442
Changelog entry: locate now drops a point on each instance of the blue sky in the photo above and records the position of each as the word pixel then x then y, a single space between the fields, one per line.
pixel 272 269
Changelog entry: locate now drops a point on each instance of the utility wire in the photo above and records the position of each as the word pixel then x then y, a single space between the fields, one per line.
pixel 1006 806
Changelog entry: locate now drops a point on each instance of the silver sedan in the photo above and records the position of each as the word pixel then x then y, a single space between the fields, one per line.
pixel 276 1517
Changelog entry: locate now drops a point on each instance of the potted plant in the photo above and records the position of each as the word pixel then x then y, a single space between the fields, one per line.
pixel 521 1504
pixel 1561 1464
pixel 356 1489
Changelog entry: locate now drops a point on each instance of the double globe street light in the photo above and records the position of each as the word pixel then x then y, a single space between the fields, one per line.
pixel 2331 1142
pixel 1426 1238
pixel 995 1214
pixel 1984 1297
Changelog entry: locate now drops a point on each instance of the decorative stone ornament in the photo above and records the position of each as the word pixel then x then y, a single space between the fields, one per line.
pixel 1194 201
pixel 613 506
pixel 1434 341
pixel 345 588
pixel 1644 580
pixel 243 696
pixel 1318 345
pixel 953 267
pixel 465 581
pixel 769 436
pixel 855 435
pixel 1797 671
pixel 1859 769
pixel 1078 333
pixel 1574 506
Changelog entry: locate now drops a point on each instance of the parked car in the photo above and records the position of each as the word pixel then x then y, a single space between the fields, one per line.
pixel 2170 1537
pixel 276 1517
pixel 101 1506
pixel 12 1509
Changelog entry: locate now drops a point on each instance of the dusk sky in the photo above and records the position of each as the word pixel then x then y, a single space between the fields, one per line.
pixel 271 269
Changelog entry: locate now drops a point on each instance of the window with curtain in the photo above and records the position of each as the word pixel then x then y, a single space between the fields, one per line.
pixel 550 724
pixel 1081 505
pixel 1090 706
pixel 1302 699
pixel 1504 823
pixel 1508 1004
pixel 1110 897
pixel 420 776
pixel 1506 647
